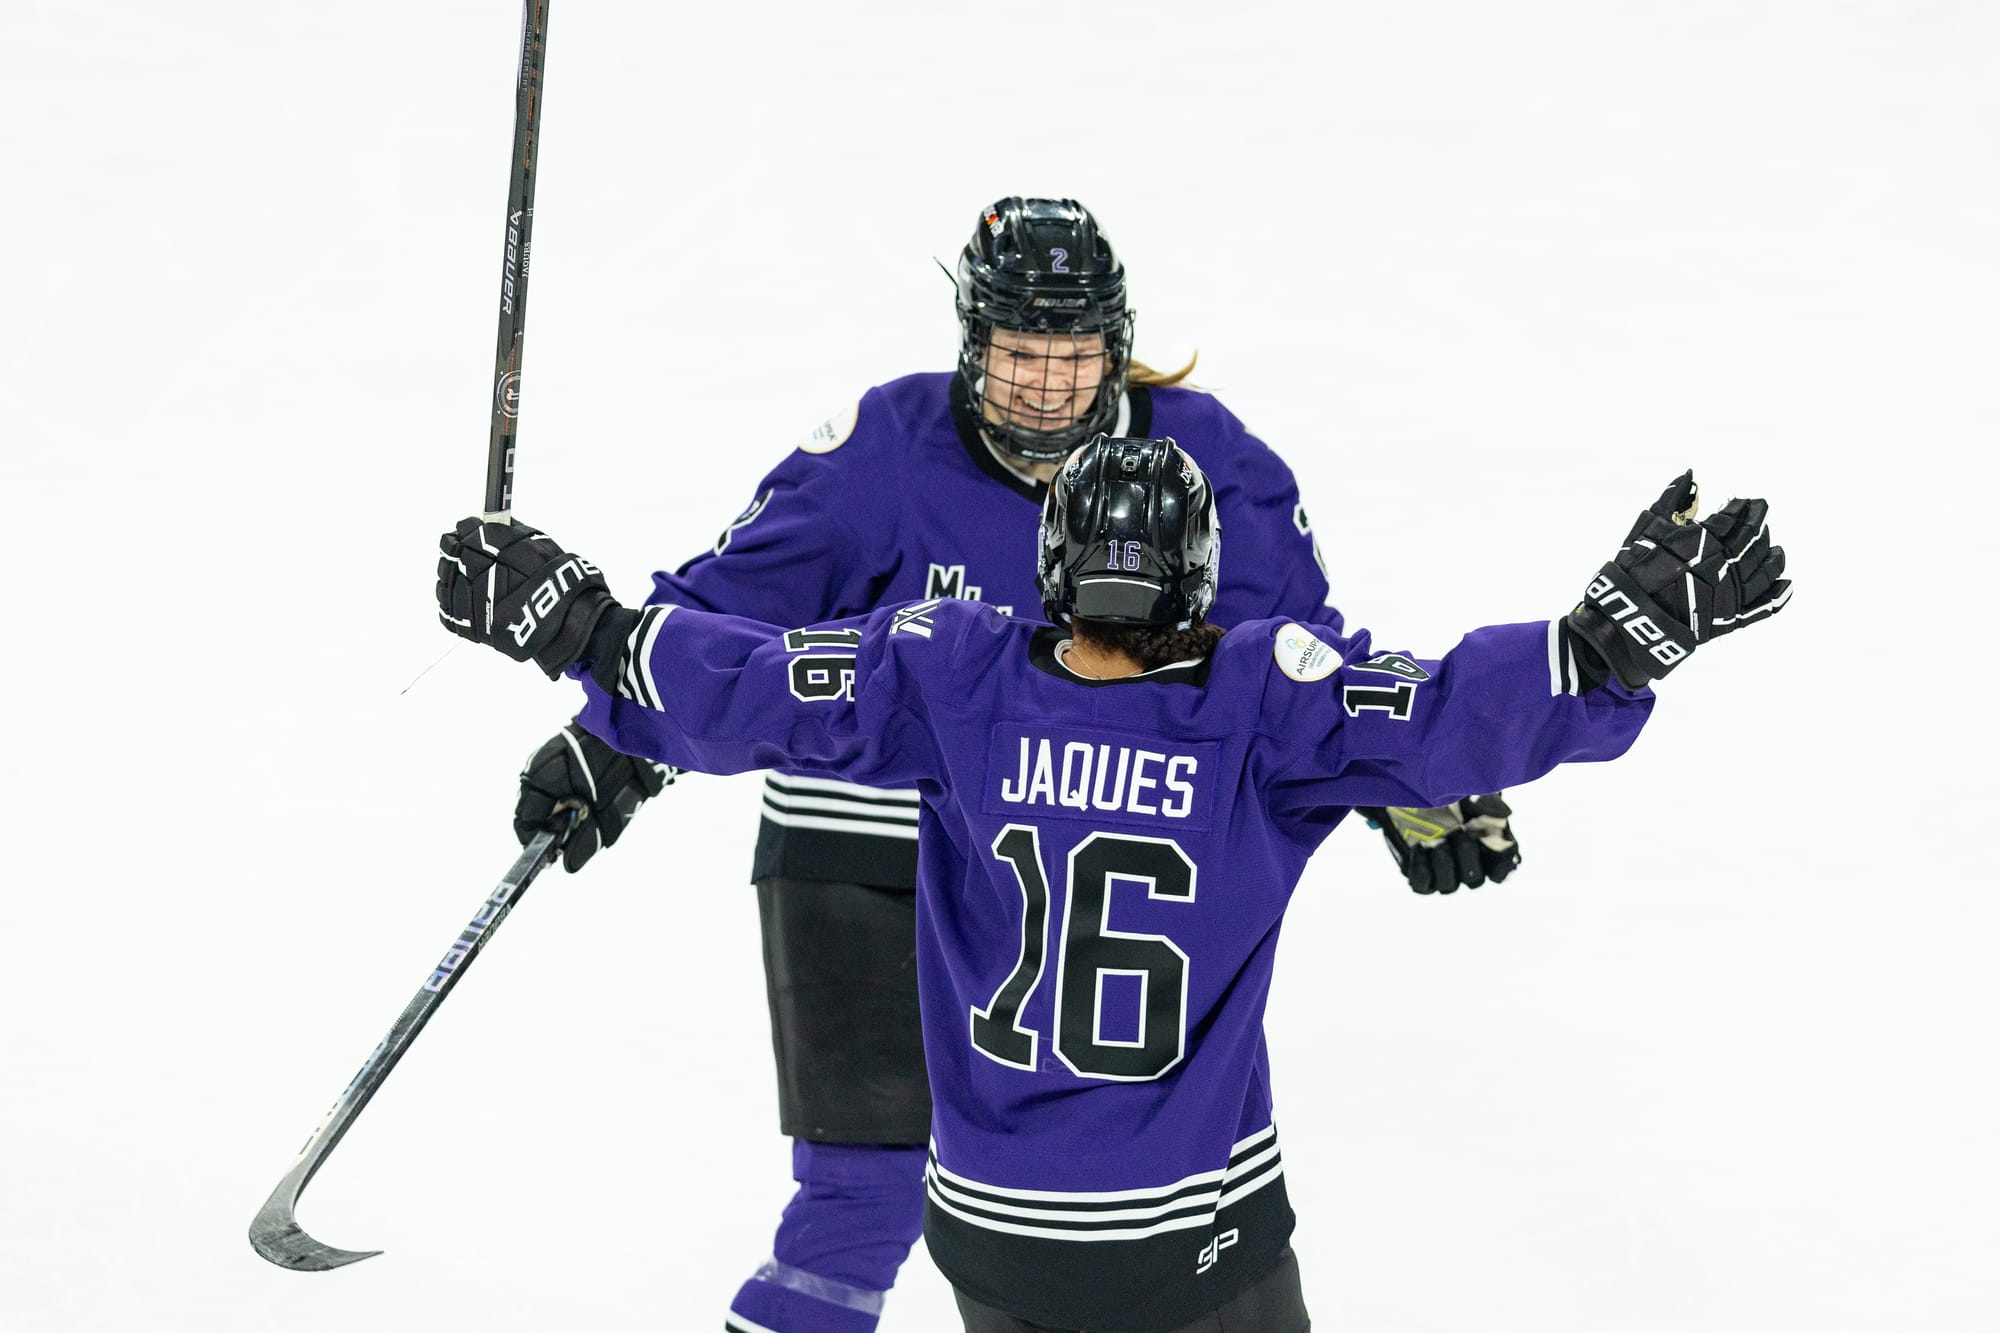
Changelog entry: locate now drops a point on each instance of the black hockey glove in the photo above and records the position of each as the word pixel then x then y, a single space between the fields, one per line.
pixel 574 770
pixel 1676 584
pixel 1468 842
pixel 509 587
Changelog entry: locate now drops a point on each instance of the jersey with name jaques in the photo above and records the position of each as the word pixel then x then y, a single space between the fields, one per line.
pixel 1103 874
pixel 897 499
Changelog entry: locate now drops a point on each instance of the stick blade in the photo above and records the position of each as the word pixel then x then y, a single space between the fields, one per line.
pixel 278 1237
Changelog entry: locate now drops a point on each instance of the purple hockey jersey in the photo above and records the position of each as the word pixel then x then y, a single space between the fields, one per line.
pixel 1104 868
pixel 900 500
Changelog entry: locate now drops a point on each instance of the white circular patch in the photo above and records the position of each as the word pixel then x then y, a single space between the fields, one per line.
pixel 830 434
pixel 1301 654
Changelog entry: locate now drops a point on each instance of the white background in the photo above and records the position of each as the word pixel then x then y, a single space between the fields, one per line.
pixel 1487 275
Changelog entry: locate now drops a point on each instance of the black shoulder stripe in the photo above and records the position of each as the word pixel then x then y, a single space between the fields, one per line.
pixel 1139 406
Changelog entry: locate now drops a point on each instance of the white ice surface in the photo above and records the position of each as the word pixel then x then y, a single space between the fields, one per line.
pixel 1488 275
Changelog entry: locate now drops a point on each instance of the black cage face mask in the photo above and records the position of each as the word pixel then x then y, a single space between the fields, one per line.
pixel 1039 393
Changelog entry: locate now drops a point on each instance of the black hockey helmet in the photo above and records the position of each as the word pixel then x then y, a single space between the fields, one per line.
pixel 1129 536
pixel 1041 266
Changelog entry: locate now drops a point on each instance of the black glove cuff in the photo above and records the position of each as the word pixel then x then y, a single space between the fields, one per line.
pixel 606 648
pixel 1638 640
pixel 1592 671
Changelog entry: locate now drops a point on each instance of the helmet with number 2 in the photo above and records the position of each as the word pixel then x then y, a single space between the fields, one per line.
pixel 1045 340
pixel 1129 536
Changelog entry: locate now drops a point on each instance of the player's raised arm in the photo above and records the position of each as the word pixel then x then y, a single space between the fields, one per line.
pixel 1436 850
pixel 1510 702
pixel 714 693
pixel 793 556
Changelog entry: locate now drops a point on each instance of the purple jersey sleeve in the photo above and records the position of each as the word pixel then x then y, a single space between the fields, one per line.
pixel 1503 707
pixel 720 694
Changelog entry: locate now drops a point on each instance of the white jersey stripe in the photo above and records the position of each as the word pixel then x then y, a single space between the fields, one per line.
pixel 1251 1165
pixel 1248 1188
pixel 1204 1201
pixel 1155 1192
pixel 1055 1211
pixel 1048 1233
pixel 645 655
pixel 875 827
pixel 635 682
pixel 894 814
pixel 881 795
pixel 1201 1216
pixel 1265 1163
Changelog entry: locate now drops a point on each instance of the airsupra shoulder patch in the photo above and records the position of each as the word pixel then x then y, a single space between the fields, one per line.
pixel 1303 655
pixel 830 434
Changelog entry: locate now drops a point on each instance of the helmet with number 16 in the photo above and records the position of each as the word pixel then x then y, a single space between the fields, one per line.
pixel 1129 536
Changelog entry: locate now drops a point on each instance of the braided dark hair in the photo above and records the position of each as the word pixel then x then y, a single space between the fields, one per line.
pixel 1153 645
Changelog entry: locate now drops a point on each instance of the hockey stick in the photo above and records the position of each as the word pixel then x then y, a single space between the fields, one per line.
pixel 275 1232
pixel 514 268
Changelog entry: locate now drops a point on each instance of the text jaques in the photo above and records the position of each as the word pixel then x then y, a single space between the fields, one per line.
pixel 1082 776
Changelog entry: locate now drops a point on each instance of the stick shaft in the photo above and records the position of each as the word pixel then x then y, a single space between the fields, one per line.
pixel 436 987
pixel 504 406
pixel 274 1232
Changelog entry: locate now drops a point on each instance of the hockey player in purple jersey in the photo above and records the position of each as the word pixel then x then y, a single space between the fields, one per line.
pixel 930 487
pixel 1115 810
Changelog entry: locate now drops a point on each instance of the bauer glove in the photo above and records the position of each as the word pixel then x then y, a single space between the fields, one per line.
pixel 509 587
pixel 1676 584
pixel 574 770
pixel 1467 842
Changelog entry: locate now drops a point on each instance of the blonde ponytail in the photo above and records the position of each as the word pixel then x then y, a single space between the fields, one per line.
pixel 1142 376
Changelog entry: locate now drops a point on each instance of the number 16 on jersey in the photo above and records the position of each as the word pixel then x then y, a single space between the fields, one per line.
pixel 1089 954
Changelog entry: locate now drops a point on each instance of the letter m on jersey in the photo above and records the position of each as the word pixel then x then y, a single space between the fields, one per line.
pixel 949 581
